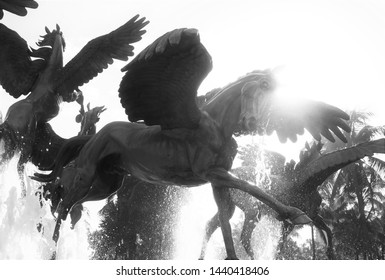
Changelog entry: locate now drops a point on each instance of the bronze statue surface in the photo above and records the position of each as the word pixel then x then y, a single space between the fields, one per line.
pixel 17 7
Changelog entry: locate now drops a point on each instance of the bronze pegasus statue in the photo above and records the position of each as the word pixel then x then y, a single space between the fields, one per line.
pixel 294 184
pixel 172 141
pixel 40 75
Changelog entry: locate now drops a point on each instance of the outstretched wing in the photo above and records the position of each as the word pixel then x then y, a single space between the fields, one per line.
pixel 97 54
pixel 17 7
pixel 161 83
pixel 289 119
pixel 17 71
pixel 317 171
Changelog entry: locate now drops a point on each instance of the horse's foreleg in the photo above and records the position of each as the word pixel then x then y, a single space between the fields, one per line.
pixel 210 228
pixel 80 186
pixel 226 210
pixel 220 177
pixel 251 218
pixel 76 214
pixel 56 231
pixel 320 224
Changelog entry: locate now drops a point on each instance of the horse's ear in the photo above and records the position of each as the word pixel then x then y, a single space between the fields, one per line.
pixel 248 86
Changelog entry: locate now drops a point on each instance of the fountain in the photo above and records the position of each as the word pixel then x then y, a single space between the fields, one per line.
pixel 26 223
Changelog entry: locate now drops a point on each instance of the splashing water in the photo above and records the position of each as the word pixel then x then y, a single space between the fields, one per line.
pixel 26 223
pixel 200 208
pixel 265 238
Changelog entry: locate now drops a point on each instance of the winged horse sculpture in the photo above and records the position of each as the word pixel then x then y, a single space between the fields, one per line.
pixel 295 184
pixel 17 7
pixel 171 141
pixel 47 83
pixel 52 190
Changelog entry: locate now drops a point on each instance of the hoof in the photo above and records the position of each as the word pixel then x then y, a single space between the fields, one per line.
pixel 297 217
pixel 302 219
pixel 228 259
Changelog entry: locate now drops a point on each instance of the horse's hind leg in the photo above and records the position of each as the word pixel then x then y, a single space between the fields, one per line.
pixel 210 228
pixel 226 210
pixel 320 224
pixel 251 218
pixel 222 178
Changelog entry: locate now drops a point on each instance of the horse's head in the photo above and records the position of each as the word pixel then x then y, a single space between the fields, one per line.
pixel 241 107
pixel 256 100
pixel 51 48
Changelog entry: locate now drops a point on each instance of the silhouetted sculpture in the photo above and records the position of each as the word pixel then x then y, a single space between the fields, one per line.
pixel 296 185
pixel 17 7
pixel 47 83
pixel 87 119
pixel 179 143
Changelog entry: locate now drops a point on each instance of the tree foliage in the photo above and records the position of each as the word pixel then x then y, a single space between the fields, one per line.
pixel 138 223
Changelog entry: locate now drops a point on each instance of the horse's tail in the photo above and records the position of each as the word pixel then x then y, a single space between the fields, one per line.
pixel 68 152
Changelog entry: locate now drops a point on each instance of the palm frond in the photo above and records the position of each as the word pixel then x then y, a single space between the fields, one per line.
pixel 368 133
pixel 377 165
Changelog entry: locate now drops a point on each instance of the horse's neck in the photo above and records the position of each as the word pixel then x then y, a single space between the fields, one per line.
pixel 55 61
pixel 225 109
pixel 47 77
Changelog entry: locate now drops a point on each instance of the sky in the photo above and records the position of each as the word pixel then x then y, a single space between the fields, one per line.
pixel 331 51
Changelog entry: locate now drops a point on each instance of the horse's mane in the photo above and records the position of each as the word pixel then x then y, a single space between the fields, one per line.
pixel 45 44
pixel 204 99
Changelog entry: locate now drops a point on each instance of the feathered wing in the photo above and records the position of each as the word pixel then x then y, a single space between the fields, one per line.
pixel 161 83
pixel 317 171
pixel 97 54
pixel 17 7
pixel 17 72
pixel 290 119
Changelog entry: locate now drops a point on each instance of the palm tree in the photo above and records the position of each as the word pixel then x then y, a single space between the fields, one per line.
pixel 353 196
pixel 139 222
